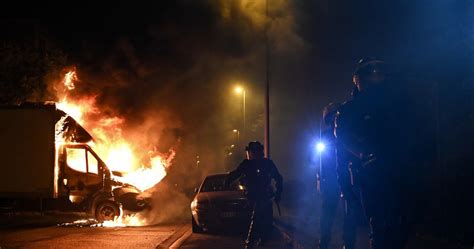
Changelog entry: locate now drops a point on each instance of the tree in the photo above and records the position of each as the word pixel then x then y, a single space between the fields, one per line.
pixel 26 71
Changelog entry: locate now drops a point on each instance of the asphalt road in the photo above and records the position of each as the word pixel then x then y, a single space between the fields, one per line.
pixel 231 241
pixel 160 236
pixel 87 237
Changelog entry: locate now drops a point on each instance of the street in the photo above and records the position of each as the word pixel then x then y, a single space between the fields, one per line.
pixel 159 236
pixel 230 241
pixel 87 237
pixel 197 124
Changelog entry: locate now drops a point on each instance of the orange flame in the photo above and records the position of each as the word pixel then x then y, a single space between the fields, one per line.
pixel 69 80
pixel 113 148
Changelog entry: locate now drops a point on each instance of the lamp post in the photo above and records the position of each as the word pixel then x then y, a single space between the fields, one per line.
pixel 267 86
pixel 241 90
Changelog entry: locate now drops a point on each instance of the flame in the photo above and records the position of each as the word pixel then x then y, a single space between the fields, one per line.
pixel 145 178
pixel 78 108
pixel 141 167
pixel 69 79
pixel 132 220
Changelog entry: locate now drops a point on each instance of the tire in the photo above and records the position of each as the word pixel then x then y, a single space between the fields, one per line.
pixel 196 227
pixel 106 211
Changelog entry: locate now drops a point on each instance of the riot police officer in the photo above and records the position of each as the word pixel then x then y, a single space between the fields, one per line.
pixel 259 172
pixel 333 170
pixel 327 176
pixel 370 127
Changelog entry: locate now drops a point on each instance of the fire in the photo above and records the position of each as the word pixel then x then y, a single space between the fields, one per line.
pixel 145 178
pixel 126 220
pixel 139 166
pixel 69 79
pixel 78 108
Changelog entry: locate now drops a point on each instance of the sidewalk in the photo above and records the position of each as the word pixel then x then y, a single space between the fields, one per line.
pixel 301 223
pixel 303 226
pixel 234 241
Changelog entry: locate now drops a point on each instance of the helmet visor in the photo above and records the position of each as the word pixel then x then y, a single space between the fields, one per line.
pixel 371 69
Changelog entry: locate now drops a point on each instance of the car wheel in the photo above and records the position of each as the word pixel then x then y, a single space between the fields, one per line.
pixel 107 211
pixel 196 227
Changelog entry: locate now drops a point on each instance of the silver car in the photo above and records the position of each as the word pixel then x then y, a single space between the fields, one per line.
pixel 216 205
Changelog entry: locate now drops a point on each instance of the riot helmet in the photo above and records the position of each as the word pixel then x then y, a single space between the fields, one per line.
pixel 254 150
pixel 369 72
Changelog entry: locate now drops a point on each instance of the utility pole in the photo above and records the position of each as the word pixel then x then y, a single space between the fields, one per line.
pixel 267 86
pixel 244 128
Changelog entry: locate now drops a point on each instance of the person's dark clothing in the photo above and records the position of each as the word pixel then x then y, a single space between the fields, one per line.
pixel 329 189
pixel 258 176
pixel 375 127
pixel 327 171
pixel 261 223
pixel 333 180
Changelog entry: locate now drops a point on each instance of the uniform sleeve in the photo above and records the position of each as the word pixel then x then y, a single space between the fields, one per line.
pixel 277 177
pixel 235 174
pixel 345 136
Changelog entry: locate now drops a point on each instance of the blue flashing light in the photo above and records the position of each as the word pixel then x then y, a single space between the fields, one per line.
pixel 320 146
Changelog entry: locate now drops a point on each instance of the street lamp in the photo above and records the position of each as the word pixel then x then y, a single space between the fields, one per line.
pixel 241 90
pixel 238 135
pixel 238 89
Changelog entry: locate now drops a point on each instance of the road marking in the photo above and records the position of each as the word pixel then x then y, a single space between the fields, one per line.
pixel 179 242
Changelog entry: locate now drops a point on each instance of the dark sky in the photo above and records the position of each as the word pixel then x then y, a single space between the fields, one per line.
pixel 183 57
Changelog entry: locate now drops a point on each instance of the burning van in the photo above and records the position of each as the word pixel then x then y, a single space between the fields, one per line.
pixel 48 163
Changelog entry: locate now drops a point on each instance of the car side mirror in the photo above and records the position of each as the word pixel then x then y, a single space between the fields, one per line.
pixel 196 190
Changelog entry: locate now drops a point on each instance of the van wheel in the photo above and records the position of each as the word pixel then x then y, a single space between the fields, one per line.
pixel 106 211
pixel 196 227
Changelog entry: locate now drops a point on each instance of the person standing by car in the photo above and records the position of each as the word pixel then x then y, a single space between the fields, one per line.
pixel 259 172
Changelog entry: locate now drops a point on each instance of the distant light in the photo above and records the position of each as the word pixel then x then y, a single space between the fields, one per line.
pixel 320 146
pixel 235 130
pixel 238 89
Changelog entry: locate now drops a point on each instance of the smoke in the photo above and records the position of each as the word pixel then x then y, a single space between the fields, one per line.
pixel 166 73
pixel 169 74
pixel 168 205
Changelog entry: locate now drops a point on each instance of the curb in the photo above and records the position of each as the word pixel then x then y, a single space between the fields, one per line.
pixel 180 241
pixel 168 242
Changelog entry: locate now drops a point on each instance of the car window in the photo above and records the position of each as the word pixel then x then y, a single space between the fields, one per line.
pixel 92 163
pixel 76 159
pixel 213 184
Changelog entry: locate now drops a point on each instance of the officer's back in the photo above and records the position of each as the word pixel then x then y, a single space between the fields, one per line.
pixel 258 176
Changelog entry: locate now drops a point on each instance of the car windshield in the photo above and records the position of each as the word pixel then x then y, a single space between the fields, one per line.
pixel 217 183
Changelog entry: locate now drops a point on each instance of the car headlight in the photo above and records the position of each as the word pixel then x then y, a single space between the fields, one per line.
pixel 199 205
pixel 193 204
